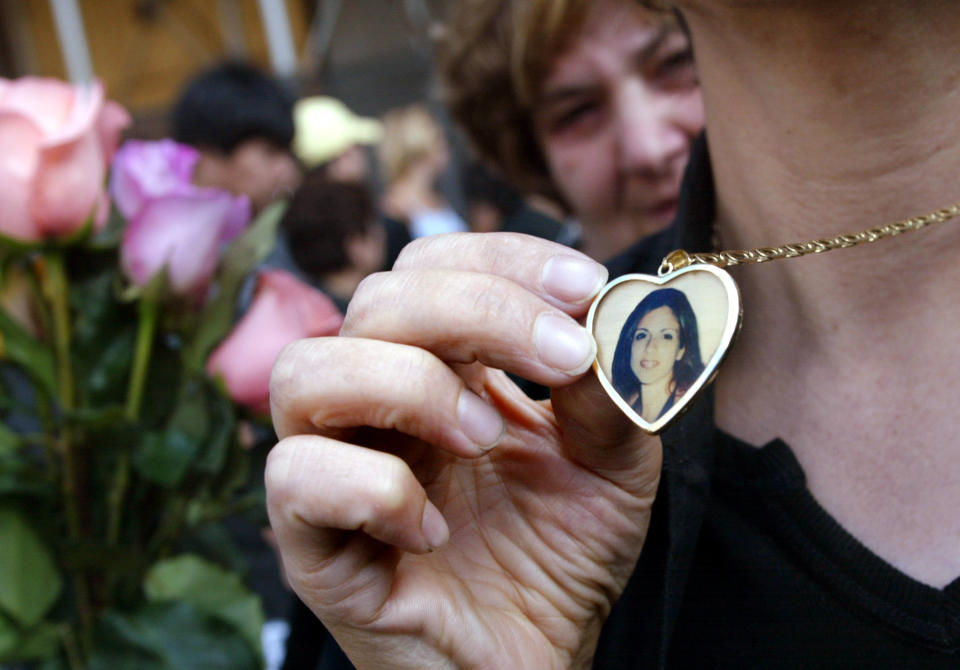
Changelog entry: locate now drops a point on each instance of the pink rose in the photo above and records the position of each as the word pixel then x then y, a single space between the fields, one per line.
pixel 173 224
pixel 284 309
pixel 57 140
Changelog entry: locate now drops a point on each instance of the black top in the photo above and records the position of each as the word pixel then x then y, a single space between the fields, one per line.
pixel 742 568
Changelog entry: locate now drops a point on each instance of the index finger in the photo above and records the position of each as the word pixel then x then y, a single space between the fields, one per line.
pixel 562 276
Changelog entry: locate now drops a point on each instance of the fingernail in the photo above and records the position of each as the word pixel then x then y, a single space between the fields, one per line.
pixel 434 526
pixel 480 422
pixel 572 279
pixel 562 344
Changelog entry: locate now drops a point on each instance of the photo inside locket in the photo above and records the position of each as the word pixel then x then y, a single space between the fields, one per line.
pixel 655 341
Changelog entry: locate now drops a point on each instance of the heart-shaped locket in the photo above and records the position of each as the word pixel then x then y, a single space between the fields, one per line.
pixel 660 340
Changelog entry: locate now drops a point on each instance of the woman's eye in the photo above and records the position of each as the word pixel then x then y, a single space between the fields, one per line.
pixel 641 335
pixel 668 336
pixel 572 115
pixel 677 69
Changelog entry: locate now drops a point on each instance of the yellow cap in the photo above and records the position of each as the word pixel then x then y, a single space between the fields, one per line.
pixel 325 128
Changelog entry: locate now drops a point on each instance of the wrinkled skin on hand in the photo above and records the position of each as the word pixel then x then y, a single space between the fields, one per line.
pixel 417 546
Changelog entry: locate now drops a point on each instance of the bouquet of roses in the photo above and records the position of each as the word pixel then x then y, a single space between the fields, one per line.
pixel 123 380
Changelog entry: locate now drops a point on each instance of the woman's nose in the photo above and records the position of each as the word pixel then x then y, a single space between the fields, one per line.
pixel 649 141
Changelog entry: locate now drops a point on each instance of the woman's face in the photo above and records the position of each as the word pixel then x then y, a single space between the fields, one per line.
pixel 617 114
pixel 656 346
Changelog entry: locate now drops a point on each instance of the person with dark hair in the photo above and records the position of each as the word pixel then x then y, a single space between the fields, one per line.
pixel 333 234
pixel 241 121
pixel 658 353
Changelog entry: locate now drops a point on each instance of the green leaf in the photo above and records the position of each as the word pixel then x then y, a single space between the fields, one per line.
pixel 198 435
pixel 238 261
pixel 163 458
pixel 9 638
pixel 210 589
pixel 169 636
pixel 39 642
pixel 9 440
pixel 103 334
pixel 19 346
pixel 29 581
pixel 223 423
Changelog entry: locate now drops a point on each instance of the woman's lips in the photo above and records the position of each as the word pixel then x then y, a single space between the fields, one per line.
pixel 646 364
pixel 664 209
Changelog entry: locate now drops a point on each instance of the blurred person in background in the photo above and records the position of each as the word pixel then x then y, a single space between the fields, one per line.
pixel 241 121
pixel 334 235
pixel 494 205
pixel 413 154
pixel 333 141
pixel 329 137
pixel 594 105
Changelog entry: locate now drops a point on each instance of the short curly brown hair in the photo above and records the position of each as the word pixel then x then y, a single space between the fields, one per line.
pixel 493 57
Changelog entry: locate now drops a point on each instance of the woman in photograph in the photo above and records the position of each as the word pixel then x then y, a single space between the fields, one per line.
pixel 658 354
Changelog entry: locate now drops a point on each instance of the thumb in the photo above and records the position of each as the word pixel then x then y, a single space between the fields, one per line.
pixel 600 437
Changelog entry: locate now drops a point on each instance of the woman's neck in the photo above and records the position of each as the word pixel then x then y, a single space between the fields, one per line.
pixel 824 126
pixel 653 397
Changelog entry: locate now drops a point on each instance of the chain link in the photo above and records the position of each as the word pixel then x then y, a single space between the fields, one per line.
pixel 678 259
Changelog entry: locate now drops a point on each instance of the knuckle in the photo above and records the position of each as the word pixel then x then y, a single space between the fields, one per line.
pixel 279 483
pixel 391 488
pixel 284 373
pixel 372 295
pixel 410 254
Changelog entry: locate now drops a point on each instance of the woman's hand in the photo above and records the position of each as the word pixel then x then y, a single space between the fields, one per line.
pixel 429 512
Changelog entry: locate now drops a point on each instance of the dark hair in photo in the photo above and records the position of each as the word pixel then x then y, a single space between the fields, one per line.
pixel 321 216
pixel 685 371
pixel 230 103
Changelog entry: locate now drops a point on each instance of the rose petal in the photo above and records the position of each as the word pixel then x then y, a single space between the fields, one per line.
pixel 72 168
pixel 144 170
pixel 237 218
pixel 110 126
pixel 316 312
pixel 46 102
pixel 20 140
pixel 68 183
pixel 181 232
pixel 284 309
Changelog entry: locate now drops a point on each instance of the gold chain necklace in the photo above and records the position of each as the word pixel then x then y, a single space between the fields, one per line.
pixel 677 327
pixel 678 259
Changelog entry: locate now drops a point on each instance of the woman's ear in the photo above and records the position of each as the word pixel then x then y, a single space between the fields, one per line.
pixel 680 352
